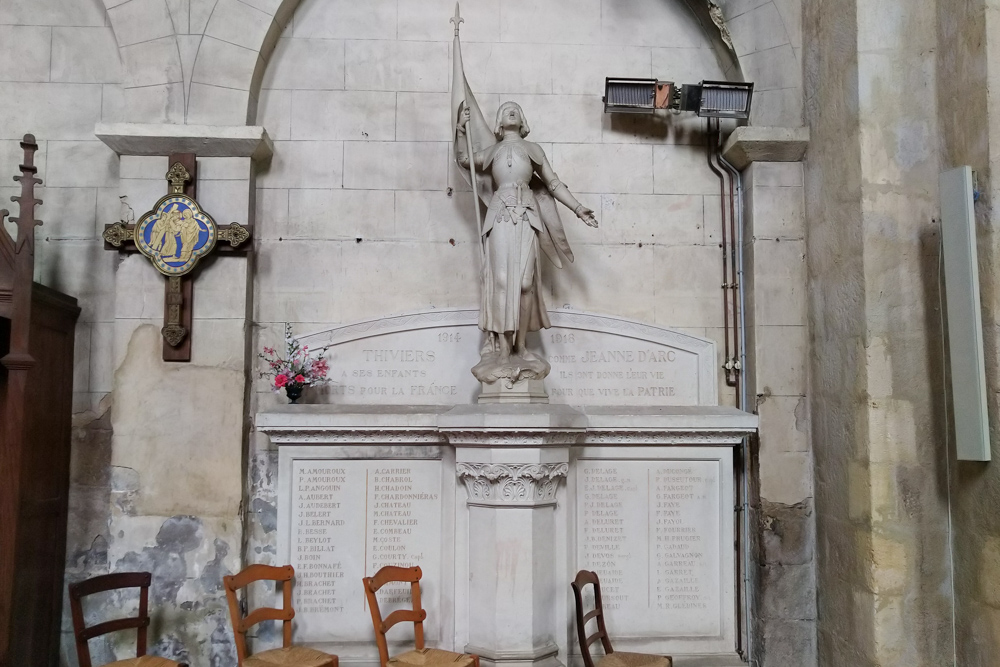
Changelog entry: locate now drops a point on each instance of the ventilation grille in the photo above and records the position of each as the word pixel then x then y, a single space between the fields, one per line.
pixel 635 95
pixel 725 100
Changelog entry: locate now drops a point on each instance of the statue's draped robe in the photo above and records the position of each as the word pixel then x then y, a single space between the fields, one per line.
pixel 521 218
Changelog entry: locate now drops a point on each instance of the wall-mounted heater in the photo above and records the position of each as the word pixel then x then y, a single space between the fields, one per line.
pixel 965 322
pixel 708 99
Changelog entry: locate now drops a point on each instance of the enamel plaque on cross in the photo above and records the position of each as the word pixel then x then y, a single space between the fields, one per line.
pixel 174 236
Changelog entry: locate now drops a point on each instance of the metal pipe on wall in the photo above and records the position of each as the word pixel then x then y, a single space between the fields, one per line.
pixel 730 321
pixel 740 291
pixel 744 398
pixel 725 245
pixel 734 311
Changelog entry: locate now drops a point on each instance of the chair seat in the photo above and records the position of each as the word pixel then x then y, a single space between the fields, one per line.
pixel 623 659
pixel 431 657
pixel 144 661
pixel 291 656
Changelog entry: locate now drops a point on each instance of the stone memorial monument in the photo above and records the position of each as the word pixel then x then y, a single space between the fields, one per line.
pixel 514 179
pixel 500 491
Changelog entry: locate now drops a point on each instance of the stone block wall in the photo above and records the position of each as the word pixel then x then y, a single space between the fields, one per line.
pixel 969 121
pixel 778 356
pixel 767 38
pixel 362 194
pixel 883 552
pixel 136 502
pixel 178 440
pixel 362 188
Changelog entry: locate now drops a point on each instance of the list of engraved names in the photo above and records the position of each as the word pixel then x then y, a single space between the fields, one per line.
pixel 652 532
pixel 349 519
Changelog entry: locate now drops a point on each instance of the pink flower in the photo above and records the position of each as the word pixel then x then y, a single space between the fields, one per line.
pixel 300 379
pixel 280 381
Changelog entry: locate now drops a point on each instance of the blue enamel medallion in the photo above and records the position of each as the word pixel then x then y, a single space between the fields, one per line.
pixel 176 234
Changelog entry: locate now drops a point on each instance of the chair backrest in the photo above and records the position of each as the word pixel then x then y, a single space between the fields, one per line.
pixel 242 623
pixel 584 577
pixel 109 582
pixel 387 575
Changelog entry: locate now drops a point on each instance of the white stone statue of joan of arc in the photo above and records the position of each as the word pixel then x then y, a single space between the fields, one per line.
pixel 516 181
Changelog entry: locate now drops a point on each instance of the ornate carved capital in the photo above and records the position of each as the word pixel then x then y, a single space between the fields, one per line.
pixel 512 484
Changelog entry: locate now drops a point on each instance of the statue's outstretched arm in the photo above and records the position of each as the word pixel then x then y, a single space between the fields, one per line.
pixel 563 195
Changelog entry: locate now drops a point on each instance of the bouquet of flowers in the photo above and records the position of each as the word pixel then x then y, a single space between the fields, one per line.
pixel 296 370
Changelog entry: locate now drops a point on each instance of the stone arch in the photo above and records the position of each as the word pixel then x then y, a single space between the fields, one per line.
pixel 766 40
pixel 197 62
pixel 205 65
pixel 151 58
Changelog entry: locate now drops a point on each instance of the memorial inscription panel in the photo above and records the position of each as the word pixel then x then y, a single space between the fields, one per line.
pixel 349 518
pixel 426 359
pixel 652 530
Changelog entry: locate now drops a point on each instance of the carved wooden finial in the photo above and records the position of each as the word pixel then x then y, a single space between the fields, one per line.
pixel 27 202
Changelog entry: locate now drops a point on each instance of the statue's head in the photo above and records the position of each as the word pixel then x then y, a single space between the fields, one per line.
pixel 510 114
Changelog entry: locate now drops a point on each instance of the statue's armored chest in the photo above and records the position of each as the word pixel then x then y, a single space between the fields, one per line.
pixel 511 164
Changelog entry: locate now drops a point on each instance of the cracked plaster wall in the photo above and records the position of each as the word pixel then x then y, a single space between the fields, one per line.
pixel 161 492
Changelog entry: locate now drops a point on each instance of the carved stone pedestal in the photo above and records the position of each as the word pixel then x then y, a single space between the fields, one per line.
pixel 513 462
pixel 522 391
pixel 500 506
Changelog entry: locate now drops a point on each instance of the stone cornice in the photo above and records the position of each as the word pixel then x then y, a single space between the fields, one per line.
pixel 296 435
pixel 512 437
pixel 501 427
pixel 642 437
pixel 765 144
pixel 206 140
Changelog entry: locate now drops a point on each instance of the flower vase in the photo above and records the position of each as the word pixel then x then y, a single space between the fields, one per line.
pixel 293 391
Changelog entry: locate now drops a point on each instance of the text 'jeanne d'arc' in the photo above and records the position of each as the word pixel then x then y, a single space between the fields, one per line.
pixel 628 356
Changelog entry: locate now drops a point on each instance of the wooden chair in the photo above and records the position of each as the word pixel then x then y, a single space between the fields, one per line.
pixel 108 582
pixel 288 655
pixel 611 657
pixel 420 657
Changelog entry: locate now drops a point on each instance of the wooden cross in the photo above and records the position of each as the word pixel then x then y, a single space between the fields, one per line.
pixel 174 235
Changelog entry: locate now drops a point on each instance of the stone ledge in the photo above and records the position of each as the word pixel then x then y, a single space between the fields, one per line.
pixel 205 140
pixel 765 144
pixel 514 426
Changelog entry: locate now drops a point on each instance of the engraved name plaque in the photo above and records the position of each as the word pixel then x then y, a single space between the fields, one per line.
pixel 658 535
pixel 348 519
pixel 425 359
